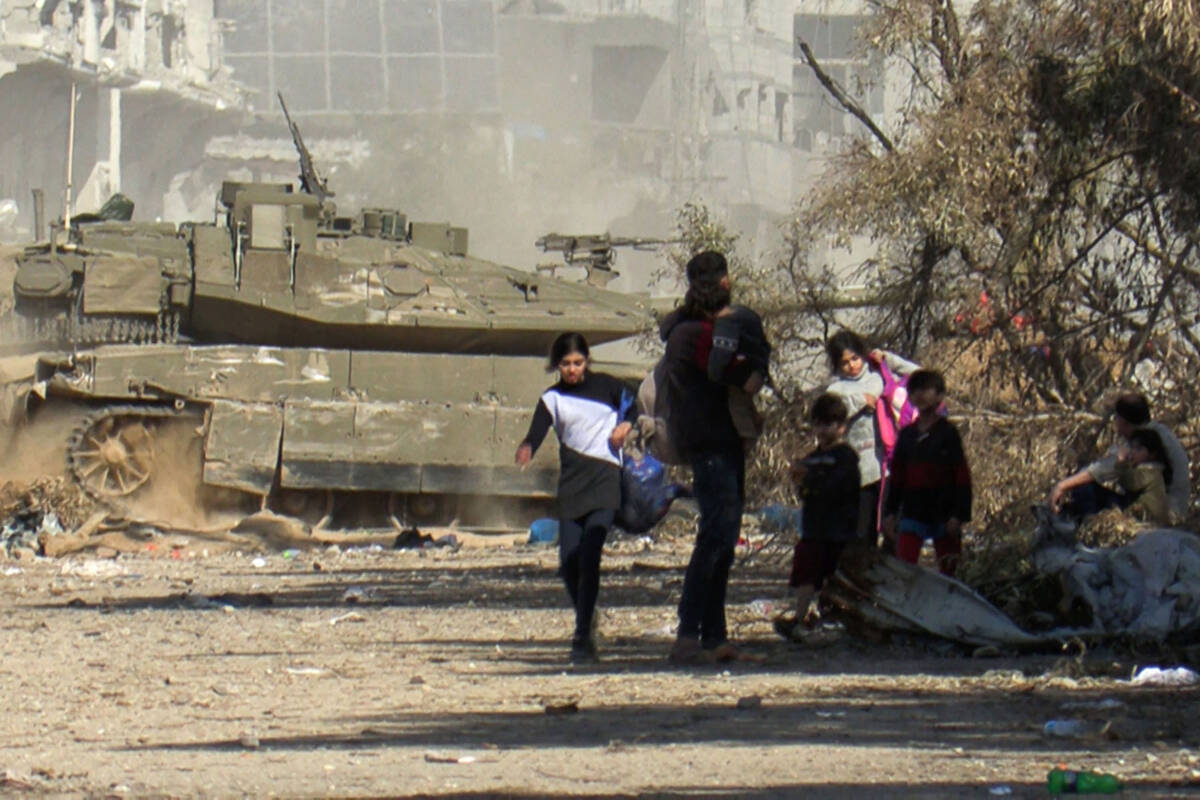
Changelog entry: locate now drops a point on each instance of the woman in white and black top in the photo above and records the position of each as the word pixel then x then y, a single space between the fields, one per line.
pixel 591 413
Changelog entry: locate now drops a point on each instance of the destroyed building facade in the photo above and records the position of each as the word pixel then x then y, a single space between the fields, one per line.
pixel 567 114
pixel 150 87
pixel 570 115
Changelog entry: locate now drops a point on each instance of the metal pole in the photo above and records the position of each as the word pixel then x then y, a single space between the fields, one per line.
pixel 39 214
pixel 114 140
pixel 70 158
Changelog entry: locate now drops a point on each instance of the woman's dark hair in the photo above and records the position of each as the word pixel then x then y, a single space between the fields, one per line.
pixel 1153 443
pixel 842 341
pixel 829 408
pixel 1132 408
pixel 703 299
pixel 564 345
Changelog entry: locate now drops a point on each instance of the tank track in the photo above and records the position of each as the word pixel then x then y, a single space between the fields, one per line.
pixel 78 443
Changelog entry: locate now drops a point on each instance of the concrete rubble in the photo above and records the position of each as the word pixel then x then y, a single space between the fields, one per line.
pixel 1147 589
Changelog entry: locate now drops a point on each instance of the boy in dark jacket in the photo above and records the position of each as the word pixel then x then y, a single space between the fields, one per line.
pixel 826 482
pixel 929 496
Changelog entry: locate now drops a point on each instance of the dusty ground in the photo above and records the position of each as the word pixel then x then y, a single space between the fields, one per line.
pixel 397 673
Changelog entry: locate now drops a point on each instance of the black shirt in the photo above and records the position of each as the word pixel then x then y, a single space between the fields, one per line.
pixel 829 493
pixel 583 417
pixel 930 481
pixel 699 420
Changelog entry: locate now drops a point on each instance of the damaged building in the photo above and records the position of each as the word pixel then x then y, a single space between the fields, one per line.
pixel 561 115
pixel 150 91
pixel 569 115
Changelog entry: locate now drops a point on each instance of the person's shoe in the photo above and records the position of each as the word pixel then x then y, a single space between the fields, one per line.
pixel 583 651
pixel 687 652
pixel 727 652
pixel 786 626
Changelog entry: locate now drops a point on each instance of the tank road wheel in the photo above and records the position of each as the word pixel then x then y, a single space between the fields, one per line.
pixel 408 510
pixel 112 453
pixel 114 458
pixel 312 507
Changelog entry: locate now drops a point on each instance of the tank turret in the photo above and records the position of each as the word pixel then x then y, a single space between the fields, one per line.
pixel 326 362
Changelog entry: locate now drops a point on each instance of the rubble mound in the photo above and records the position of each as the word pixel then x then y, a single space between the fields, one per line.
pixel 48 505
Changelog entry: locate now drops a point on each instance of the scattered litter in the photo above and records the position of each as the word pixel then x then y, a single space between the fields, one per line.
pixel 567 707
pixel 306 671
pixel 749 703
pixel 24 528
pixel 762 607
pixel 248 741
pixel 443 758
pixel 13 571
pixel 10 780
pixel 360 594
pixel 831 714
pixel 197 600
pixel 1000 791
pixel 1066 728
pixel 543 531
pixel 259 562
pixel 92 569
pixel 353 616
pixel 1156 676
pixel 413 539
pixel 1106 704
pixel 779 518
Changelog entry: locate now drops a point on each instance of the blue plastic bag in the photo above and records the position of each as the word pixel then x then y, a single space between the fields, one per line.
pixel 543 531
pixel 646 496
pixel 777 517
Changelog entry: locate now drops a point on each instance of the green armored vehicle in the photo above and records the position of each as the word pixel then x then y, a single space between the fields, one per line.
pixel 322 365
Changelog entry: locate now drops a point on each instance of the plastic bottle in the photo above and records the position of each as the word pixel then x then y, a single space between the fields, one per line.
pixel 1066 781
pixel 1065 728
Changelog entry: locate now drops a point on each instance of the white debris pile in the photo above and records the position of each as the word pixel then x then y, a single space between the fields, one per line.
pixel 1149 587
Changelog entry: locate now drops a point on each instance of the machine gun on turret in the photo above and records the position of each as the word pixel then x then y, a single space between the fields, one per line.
pixel 596 253
pixel 310 181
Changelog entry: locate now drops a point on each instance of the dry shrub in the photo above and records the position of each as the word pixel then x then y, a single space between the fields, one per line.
pixel 1110 528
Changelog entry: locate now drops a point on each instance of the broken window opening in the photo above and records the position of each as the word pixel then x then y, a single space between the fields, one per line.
pixel 46 16
pixel 627 85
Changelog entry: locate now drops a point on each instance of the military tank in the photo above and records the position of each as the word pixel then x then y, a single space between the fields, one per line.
pixel 320 364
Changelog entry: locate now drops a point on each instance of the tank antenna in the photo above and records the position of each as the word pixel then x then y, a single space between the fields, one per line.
pixel 70 159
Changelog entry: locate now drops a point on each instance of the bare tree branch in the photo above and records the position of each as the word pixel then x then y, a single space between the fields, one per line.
pixel 944 33
pixel 844 100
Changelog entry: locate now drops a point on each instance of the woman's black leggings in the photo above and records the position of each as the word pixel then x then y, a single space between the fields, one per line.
pixel 580 542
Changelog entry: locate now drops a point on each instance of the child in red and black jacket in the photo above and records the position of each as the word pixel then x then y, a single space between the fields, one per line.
pixel 930 492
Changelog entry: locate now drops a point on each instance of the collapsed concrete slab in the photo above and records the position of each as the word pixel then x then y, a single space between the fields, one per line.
pixel 1149 589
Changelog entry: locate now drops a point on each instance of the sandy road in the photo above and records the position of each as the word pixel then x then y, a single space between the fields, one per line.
pixel 392 673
